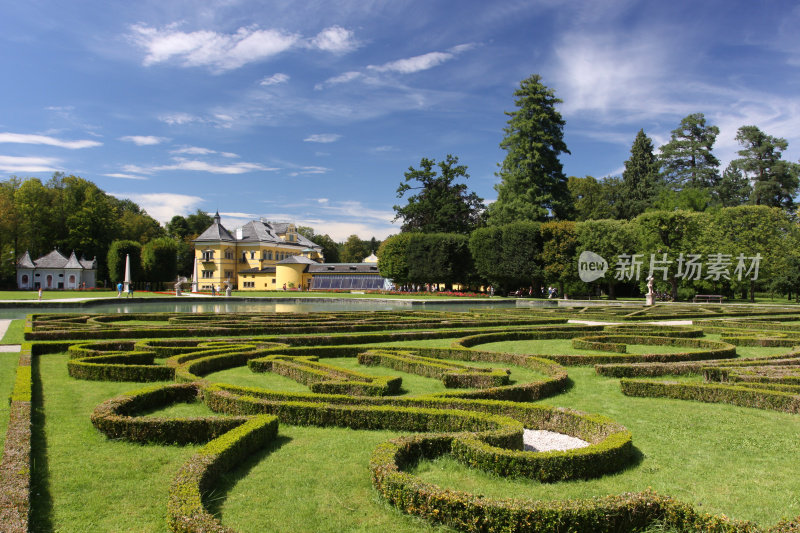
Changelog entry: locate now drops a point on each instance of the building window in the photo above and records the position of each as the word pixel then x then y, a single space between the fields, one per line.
pixel 269 255
pixel 252 255
pixel 228 254
pixel 208 274
pixel 208 255
pixel 249 284
pixel 229 274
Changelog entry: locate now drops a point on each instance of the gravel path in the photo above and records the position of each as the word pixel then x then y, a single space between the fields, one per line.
pixel 539 440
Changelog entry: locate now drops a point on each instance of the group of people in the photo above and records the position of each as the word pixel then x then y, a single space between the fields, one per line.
pixel 120 288
pixel 530 292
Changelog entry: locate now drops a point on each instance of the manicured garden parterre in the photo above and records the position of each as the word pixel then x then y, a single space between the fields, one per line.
pixel 404 421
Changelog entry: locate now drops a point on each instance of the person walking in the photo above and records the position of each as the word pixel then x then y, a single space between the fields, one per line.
pixel 119 289
pixel 40 294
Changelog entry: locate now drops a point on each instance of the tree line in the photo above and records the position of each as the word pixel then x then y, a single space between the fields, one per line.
pixel 67 213
pixel 70 213
pixel 684 174
pixel 712 252
pixel 663 201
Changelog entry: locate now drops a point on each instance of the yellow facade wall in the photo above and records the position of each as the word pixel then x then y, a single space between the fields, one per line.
pixel 229 259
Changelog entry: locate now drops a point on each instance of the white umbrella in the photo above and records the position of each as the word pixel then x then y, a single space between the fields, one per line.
pixel 127 271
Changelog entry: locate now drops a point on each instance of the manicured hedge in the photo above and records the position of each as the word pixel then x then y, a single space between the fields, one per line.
pixel 323 378
pixel 714 393
pixel 186 510
pixel 474 513
pixel 453 375
pixel 496 448
pixel 118 418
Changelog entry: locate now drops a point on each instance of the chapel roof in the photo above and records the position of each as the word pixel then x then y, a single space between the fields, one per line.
pixel 215 232
pixel 25 261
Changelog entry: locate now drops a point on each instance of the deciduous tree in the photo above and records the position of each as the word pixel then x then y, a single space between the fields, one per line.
pixel 441 205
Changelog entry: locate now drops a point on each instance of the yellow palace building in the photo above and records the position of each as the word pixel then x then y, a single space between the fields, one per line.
pixel 264 256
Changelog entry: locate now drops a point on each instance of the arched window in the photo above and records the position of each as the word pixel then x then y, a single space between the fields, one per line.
pixel 24 280
pixel 72 279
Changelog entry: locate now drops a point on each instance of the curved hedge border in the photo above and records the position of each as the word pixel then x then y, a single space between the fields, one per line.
pixel 469 512
pixel 655 330
pixel 186 511
pixel 453 375
pixel 619 343
pixel 498 449
pixel 118 418
pixel 324 378
pixel 716 350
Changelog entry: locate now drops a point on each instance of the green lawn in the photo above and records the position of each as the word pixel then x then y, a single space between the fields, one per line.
pixel 8 370
pixel 62 294
pixel 723 459
pixel 15 332
pixel 81 480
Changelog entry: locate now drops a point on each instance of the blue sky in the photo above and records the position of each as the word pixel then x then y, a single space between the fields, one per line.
pixel 311 111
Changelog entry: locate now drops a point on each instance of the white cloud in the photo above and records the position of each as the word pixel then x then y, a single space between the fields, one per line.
pixel 219 51
pixel 178 119
pixel 610 73
pixel 322 138
pixel 341 78
pixel 193 150
pixel 164 206
pixel 181 163
pixel 143 140
pixel 10 163
pixel 309 170
pixel 125 176
pixel 275 79
pixel 25 138
pixel 413 64
pixel 335 39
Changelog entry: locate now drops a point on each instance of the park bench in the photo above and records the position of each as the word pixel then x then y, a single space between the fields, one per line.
pixel 708 298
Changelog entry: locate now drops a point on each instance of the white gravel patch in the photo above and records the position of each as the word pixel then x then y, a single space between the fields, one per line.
pixel 540 440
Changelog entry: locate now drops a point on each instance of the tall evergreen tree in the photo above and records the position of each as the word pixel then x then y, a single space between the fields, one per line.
pixel 641 182
pixel 686 160
pixel 533 185
pixel 774 180
pixel 734 188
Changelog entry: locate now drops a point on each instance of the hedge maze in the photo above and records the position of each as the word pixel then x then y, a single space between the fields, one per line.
pixel 477 419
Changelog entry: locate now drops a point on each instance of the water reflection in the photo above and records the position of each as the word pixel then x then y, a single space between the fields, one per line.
pixel 265 306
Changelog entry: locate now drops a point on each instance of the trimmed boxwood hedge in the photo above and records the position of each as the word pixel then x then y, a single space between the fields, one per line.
pixel 474 513
pixel 496 448
pixel 326 379
pixel 186 511
pixel 714 393
pixel 453 375
pixel 119 417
